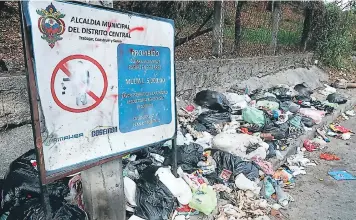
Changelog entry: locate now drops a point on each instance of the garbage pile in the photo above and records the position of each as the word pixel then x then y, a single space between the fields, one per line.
pixel 224 143
pixel 21 193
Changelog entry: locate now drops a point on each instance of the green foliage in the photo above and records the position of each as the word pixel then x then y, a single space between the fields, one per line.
pixel 333 36
pixel 183 13
pixel 264 36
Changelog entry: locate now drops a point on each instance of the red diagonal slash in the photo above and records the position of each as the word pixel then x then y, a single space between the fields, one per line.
pixel 90 93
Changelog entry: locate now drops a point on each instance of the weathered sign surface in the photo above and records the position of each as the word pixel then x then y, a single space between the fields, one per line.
pixel 105 81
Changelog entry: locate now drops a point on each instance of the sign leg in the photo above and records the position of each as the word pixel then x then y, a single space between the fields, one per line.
pixel 103 191
pixel 174 147
pixel 46 202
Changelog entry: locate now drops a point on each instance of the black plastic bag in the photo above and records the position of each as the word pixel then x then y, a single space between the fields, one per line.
pixel 200 127
pixel 257 94
pixel 32 209
pixel 308 122
pixel 70 212
pixel 336 98
pixel 271 150
pixel 212 100
pixel 22 182
pixel 302 98
pixel 303 89
pixel 269 98
pixel 235 164
pixel 153 198
pixel 289 106
pixel 188 157
pixel 210 118
pixel 282 93
pixel 277 131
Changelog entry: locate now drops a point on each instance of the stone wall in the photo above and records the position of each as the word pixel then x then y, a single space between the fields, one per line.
pixel 192 76
pixel 221 74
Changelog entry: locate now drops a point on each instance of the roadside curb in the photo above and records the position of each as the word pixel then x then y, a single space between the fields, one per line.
pixel 292 149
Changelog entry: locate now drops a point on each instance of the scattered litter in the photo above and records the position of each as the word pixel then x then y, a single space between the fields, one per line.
pixel 190 108
pixel 303 89
pixel 243 183
pixel 322 135
pixel 130 191
pixel 154 200
pixel 341 175
pixel 223 146
pixel 237 101
pixel 328 156
pixel 177 186
pixel 336 98
pixel 339 129
pixel 135 217
pixel 316 115
pixel 346 136
pixel 212 100
pixel 345 116
pixel 310 145
pixel 350 113
pixel 283 175
pixel 270 105
pixel 185 210
pixel 204 200
pixel 264 165
pixel 238 144
pixel 328 90
pixel 253 115
pixel 205 140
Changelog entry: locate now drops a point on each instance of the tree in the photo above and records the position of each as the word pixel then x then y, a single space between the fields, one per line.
pixel 238 25
pixel 276 17
pixel 308 13
pixel 197 33
pixel 218 28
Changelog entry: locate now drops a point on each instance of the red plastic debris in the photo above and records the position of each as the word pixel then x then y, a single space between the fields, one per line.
pixel 185 208
pixel 190 108
pixel 310 146
pixel 327 156
pixel 340 129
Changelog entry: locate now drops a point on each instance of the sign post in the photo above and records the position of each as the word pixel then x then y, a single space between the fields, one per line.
pixel 102 84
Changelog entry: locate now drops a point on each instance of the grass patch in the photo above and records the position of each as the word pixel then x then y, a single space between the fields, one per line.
pixel 264 36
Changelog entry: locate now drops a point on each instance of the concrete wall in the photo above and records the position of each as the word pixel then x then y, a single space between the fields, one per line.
pixel 220 75
pixel 192 76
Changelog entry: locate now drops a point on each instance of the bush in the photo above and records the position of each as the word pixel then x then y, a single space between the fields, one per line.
pixel 332 35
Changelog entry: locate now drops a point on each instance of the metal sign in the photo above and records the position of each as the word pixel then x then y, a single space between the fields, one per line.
pixel 105 82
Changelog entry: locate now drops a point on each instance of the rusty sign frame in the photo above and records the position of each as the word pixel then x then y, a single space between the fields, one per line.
pixel 35 103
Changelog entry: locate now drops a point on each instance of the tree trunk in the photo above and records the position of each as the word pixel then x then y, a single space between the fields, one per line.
pixel 218 29
pixel 306 28
pixel 197 33
pixel 238 25
pixel 276 17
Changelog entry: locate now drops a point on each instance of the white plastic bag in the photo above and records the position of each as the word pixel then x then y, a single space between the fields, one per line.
pixel 243 183
pixel 178 187
pixel 130 191
pixel 205 140
pixel 328 90
pixel 135 217
pixel 237 144
pixel 237 101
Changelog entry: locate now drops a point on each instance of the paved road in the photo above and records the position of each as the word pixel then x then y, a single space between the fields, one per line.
pixel 327 198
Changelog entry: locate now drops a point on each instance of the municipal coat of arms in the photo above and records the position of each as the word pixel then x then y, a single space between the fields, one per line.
pixel 50 24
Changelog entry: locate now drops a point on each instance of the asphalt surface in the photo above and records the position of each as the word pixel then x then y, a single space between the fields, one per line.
pixel 317 195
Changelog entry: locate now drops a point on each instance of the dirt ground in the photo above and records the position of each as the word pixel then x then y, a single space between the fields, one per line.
pixel 320 197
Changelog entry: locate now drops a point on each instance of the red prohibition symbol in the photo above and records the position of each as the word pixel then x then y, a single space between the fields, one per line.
pixel 62 66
